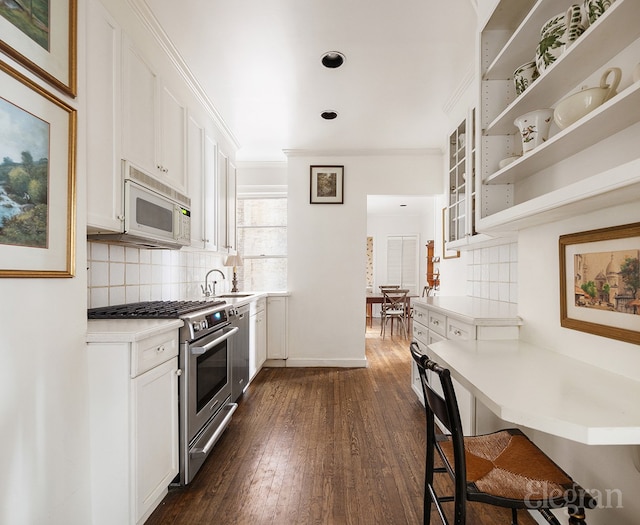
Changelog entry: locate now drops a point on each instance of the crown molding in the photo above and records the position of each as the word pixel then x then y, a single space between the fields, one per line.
pixel 147 17
pixel 400 152
pixel 467 80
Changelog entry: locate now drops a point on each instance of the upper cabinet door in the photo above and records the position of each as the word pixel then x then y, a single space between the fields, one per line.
pixel 104 187
pixel 154 122
pixel 140 122
pixel 172 155
pixel 195 172
pixel 210 186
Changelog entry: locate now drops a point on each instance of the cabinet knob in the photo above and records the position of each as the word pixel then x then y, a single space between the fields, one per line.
pixel 179 372
pixel 160 349
pixel 457 332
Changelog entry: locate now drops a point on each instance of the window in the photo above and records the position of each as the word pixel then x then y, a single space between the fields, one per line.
pixel 262 242
pixel 402 261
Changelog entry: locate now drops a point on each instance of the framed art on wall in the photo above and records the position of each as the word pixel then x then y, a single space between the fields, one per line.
pixel 37 180
pixel 42 36
pixel 600 282
pixel 327 185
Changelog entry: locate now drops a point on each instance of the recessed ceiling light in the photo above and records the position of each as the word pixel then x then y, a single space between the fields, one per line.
pixel 333 59
pixel 328 115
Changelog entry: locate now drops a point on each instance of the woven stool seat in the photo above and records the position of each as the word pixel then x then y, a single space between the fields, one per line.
pixel 504 468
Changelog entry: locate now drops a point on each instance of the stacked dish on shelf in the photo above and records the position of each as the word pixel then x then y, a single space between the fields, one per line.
pixel 556 35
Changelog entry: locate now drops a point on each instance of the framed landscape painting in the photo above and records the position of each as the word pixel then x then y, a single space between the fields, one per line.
pixel 327 185
pixel 41 35
pixel 37 180
pixel 600 282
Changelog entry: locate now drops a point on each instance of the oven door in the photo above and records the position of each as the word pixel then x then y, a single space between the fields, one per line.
pixel 207 378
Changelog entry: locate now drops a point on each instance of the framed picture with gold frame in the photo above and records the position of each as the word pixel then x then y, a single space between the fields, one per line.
pixel 41 35
pixel 600 282
pixel 37 180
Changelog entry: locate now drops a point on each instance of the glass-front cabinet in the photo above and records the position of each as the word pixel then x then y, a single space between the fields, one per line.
pixel 460 211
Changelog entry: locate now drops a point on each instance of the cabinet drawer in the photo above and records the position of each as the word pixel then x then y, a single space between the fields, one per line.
pixel 458 330
pixel 438 323
pixel 420 332
pixel 420 315
pixel 259 306
pixel 153 351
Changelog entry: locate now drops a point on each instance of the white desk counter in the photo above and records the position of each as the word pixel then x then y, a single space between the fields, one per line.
pixel 543 390
pixel 472 310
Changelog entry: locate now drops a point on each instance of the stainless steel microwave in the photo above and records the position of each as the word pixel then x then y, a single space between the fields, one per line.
pixel 155 215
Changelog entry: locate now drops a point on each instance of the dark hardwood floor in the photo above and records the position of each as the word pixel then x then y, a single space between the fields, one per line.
pixel 320 446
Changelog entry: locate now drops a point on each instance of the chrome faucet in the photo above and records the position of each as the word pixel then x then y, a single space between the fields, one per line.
pixel 210 289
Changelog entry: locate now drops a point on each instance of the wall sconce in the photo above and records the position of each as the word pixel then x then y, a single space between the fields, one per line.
pixel 235 261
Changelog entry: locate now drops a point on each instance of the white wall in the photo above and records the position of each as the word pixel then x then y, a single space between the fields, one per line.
pixel 327 251
pixel 44 432
pixel 596 467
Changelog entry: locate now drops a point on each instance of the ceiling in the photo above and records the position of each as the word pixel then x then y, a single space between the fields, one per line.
pixel 260 64
pixel 399 205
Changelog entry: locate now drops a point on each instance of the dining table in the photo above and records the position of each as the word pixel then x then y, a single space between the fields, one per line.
pixel 378 298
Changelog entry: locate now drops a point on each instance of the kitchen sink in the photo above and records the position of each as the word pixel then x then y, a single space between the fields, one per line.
pixel 232 295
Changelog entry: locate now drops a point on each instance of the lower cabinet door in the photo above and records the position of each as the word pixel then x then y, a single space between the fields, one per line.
pixel 155 439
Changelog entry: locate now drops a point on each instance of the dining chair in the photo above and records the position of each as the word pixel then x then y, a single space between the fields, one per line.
pixel 503 468
pixel 394 307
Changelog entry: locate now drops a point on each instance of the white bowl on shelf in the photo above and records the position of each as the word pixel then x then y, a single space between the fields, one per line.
pixel 574 107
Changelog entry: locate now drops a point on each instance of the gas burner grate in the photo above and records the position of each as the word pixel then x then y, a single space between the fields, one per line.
pixel 150 309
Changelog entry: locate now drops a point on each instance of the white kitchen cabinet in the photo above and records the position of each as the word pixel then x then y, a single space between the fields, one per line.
pixel 258 336
pixel 461 318
pixel 277 340
pixel 154 121
pixel 196 174
pixel 589 165
pixel 201 168
pixel 210 187
pixel 133 404
pixel 459 213
pixel 227 195
pixel 103 94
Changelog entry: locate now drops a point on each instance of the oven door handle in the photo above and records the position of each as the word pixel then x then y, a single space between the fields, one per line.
pixel 199 350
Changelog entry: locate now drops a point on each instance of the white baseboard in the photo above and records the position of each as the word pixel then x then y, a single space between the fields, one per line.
pixel 330 363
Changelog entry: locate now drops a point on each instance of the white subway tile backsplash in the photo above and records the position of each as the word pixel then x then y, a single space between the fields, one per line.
pixel 119 274
pixel 98 297
pixel 99 251
pixel 504 253
pixel 132 274
pixel 503 273
pixel 117 295
pixel 99 274
pixel 492 273
pixel 116 274
pixel 132 255
pixel 116 253
pixel 132 294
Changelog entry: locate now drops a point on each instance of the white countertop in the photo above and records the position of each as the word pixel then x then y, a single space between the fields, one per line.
pixel 128 330
pixel 544 390
pixel 472 310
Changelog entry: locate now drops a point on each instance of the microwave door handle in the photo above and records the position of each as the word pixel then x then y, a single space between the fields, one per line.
pixel 199 350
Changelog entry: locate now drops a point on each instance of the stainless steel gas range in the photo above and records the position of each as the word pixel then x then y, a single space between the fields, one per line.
pixel 205 360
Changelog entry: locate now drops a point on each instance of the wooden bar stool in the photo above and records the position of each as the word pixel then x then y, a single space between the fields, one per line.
pixel 503 468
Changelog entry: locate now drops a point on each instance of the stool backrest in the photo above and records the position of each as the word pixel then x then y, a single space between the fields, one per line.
pixel 446 410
